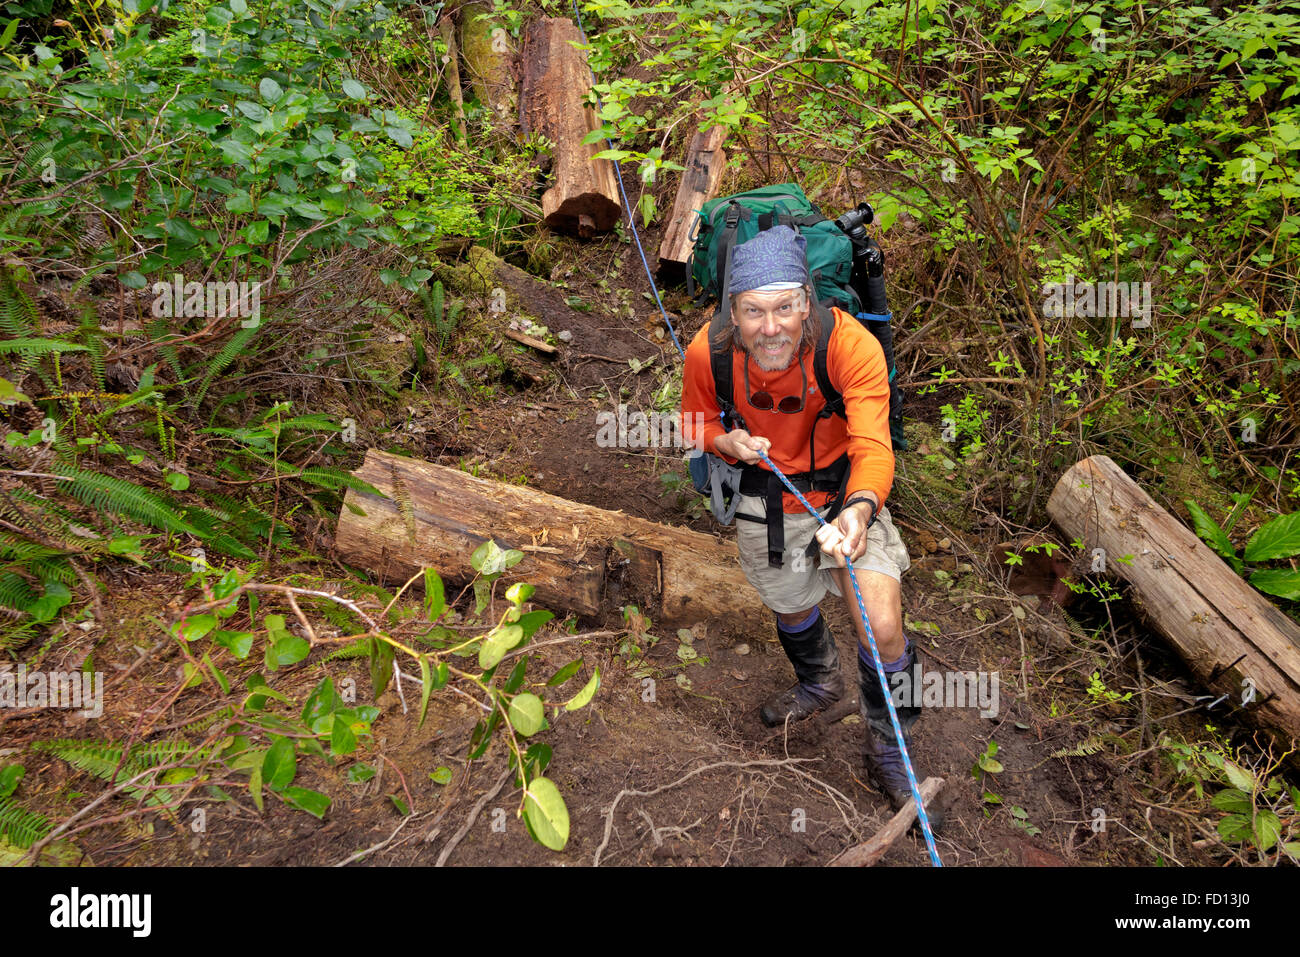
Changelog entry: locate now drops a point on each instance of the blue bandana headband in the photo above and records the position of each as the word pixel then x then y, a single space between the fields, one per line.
pixel 776 255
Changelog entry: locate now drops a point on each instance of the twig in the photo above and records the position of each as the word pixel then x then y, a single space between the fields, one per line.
pixel 609 812
pixel 869 852
pixel 473 816
pixel 375 847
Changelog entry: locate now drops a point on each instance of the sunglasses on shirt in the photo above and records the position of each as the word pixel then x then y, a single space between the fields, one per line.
pixel 789 404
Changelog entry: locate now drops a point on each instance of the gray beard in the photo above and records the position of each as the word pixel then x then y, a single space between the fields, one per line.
pixel 766 365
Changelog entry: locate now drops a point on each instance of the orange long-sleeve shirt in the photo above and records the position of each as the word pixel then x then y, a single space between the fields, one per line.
pixel 856 366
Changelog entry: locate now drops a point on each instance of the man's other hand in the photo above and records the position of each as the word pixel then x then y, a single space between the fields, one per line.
pixel 845 540
pixel 739 444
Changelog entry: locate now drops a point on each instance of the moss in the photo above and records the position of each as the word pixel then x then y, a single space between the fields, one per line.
pixel 476 280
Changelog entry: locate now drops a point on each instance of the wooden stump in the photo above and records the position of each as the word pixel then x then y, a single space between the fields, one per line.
pixel 579 558
pixel 484 46
pixel 705 160
pixel 555 83
pixel 1230 636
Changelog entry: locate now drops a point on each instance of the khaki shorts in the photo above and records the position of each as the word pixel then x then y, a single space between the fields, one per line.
pixel 798 585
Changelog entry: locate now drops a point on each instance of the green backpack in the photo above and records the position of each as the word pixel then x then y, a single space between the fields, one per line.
pixel 731 220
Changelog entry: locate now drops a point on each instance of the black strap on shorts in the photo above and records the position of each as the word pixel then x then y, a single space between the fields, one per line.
pixel 755 480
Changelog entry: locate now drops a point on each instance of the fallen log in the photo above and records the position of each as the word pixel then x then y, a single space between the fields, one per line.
pixel 705 160
pixel 579 558
pixel 552 96
pixel 1234 640
pixel 870 851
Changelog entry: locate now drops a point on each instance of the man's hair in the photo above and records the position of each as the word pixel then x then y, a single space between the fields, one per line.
pixel 729 337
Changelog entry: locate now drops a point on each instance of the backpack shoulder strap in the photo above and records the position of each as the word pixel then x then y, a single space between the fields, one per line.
pixel 834 401
pixel 720 363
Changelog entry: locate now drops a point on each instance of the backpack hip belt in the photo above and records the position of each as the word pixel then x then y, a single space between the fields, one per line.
pixel 759 481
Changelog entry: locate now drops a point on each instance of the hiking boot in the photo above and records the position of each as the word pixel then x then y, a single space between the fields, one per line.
pixel 880 753
pixel 816 663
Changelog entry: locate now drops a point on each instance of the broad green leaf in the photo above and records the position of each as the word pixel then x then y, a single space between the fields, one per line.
pixel 497 643
pixel 270 90
pixel 1214 536
pixel 519 592
pixel 1234 828
pixel 1280 538
pixel 313 802
pixel 1239 778
pixel 354 89
pixel 546 813
pixel 426 682
pixel 538 757
pixel 1267 829
pixel 1230 799
pixel 381 666
pixel 221 679
pixel 585 695
pixel 527 713
pixel 9 778
pixel 280 764
pixel 342 740
pixel 194 627
pixel 181 230
pixel 533 620
pixel 441 776
pixel 400 804
pixel 287 649
pixel 360 773
pixel 255 788
pixel 1282 582
pixel 565 673
pixel 323 700
pixel 435 598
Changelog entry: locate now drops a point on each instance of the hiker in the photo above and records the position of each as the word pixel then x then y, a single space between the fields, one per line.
pixel 844 465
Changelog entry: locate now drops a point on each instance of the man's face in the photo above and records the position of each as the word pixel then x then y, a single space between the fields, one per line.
pixel 771 325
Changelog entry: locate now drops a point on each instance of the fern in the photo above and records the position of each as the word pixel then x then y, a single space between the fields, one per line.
pixel 19 827
pixel 39 347
pixel 223 359
pixel 94 340
pixel 16 592
pixel 357 649
pixel 18 314
pixel 250 522
pixel 109 494
pixel 1082 749
pixel 203 724
pixel 403 496
pixel 101 759
pixel 332 479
